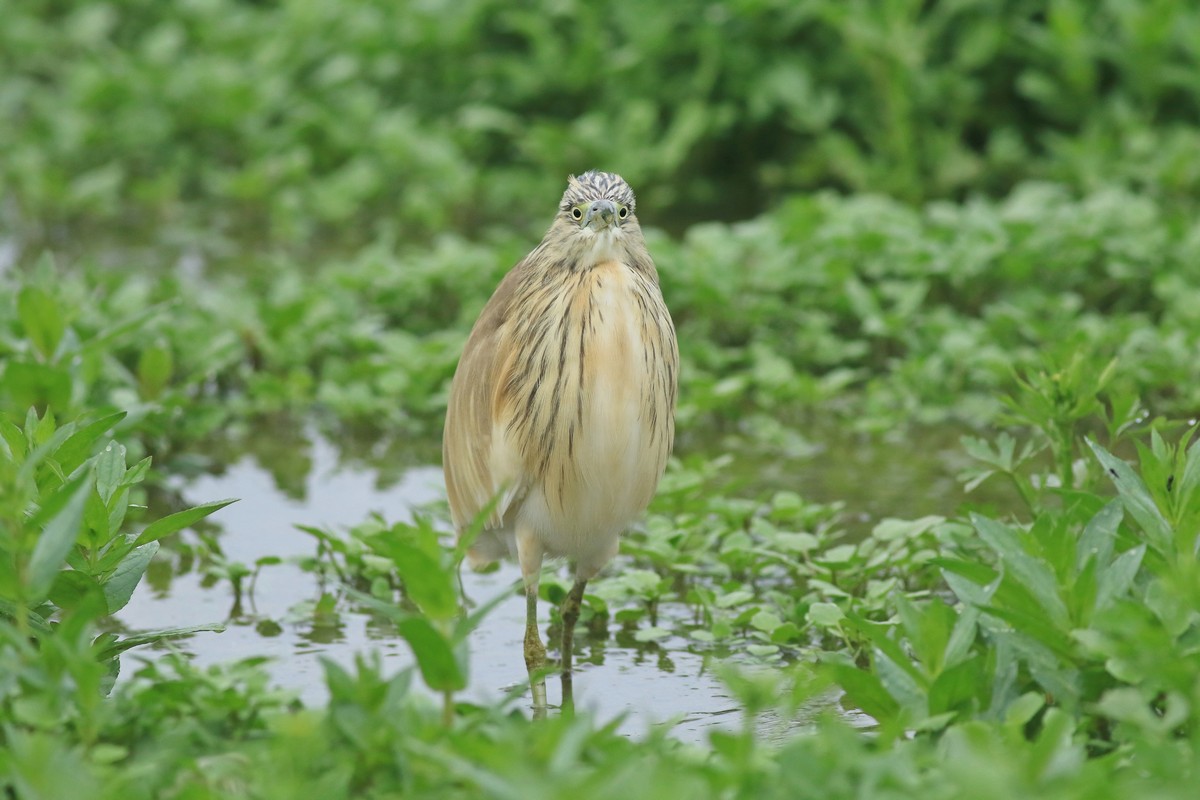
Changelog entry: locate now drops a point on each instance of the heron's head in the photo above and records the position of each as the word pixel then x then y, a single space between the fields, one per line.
pixel 596 220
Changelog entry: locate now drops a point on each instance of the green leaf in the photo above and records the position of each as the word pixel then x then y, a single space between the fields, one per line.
pixel 14 439
pixel 56 539
pixel 427 583
pixel 110 649
pixel 956 687
pixel 1137 499
pixel 78 446
pixel 1032 573
pixel 1023 708
pixel 110 469
pixel 75 591
pixel 962 637
pixel 865 690
pixel 178 521
pixel 766 621
pixel 95 516
pixel 155 366
pixel 897 676
pixel 118 589
pixel 434 654
pixel 977 573
pixel 887 648
pixel 1099 535
pixel 825 615
pixel 1112 583
pixel 42 319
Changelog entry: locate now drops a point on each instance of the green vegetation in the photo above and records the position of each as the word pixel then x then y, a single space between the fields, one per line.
pixel 884 219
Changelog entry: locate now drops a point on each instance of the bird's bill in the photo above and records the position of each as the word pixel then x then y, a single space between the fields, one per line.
pixel 600 214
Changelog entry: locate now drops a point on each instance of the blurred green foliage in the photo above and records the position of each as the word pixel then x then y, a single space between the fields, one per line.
pixel 302 121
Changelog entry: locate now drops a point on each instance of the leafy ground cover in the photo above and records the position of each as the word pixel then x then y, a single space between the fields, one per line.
pixel 868 217
pixel 862 309
pixel 305 120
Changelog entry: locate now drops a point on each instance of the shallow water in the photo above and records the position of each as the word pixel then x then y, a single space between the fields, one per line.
pixel 665 684
pixel 311 482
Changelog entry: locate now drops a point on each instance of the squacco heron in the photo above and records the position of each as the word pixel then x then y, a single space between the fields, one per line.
pixel 563 404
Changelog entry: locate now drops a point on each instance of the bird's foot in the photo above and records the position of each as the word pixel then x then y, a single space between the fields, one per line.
pixel 535 663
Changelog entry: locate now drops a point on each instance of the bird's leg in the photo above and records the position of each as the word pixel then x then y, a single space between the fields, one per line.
pixel 535 653
pixel 529 553
pixel 570 616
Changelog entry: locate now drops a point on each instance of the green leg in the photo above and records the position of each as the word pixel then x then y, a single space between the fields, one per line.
pixel 535 652
pixel 570 616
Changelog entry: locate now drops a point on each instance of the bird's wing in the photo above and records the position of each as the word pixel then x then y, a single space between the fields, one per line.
pixel 475 472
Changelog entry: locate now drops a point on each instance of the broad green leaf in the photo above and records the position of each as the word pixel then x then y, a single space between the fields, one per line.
pixel 110 469
pixel 120 585
pixel 877 634
pixel 891 528
pixel 426 582
pixel 1163 598
pixel 1099 535
pixel 962 637
pixel 787 632
pixel 78 446
pixel 178 521
pixel 137 473
pixel 1113 582
pixel 155 366
pixel 74 590
pixel 977 572
pixel 825 615
pixel 56 539
pixel 1023 709
pixel 760 650
pixel 1032 573
pixel 865 690
pixel 1029 624
pixel 927 626
pixel 435 655
pixel 897 676
pixel 1082 596
pixel 766 621
pixel 42 319
pixel 14 440
pixel 95 516
pixel 118 505
pixel 956 686
pixel 109 649
pixel 1056 747
pixel 1137 499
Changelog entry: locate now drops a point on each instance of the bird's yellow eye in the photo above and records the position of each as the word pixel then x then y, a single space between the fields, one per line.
pixel 577 213
pixel 623 213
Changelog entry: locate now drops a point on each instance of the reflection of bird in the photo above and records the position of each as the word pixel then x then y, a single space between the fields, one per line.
pixel 563 403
